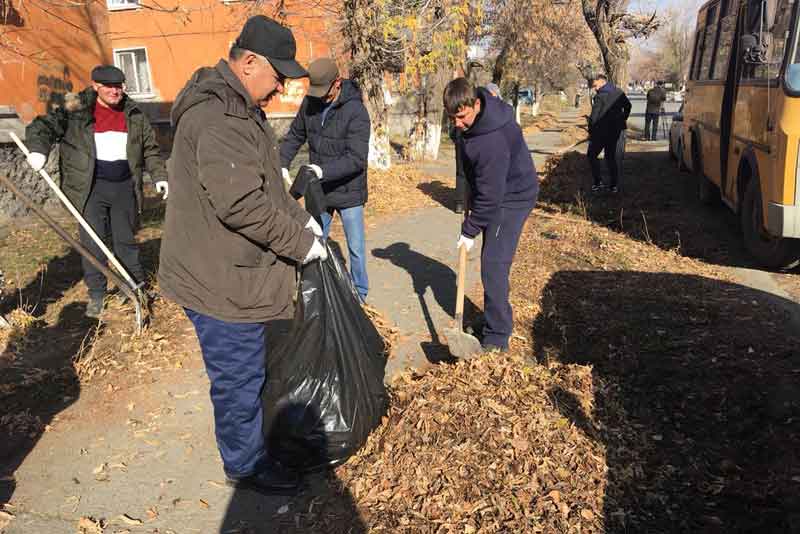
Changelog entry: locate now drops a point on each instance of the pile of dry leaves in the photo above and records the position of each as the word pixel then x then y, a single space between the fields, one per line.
pixel 398 190
pixel 481 447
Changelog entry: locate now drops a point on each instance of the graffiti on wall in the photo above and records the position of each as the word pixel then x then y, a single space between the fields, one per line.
pixel 52 89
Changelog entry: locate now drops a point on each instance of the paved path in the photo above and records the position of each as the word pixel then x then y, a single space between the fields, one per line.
pixel 145 459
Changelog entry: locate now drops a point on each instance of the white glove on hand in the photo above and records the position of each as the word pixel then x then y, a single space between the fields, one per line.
pixel 466 242
pixel 286 177
pixel 317 170
pixel 163 188
pixel 317 252
pixel 314 226
pixel 36 161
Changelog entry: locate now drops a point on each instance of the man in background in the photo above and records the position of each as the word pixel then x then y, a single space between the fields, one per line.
pixel 607 125
pixel 106 144
pixel 335 123
pixel 655 100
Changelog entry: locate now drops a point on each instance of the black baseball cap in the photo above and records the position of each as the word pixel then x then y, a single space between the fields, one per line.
pixel 266 37
pixel 107 74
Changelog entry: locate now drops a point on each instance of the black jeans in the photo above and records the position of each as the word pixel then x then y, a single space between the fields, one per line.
pixel 651 119
pixel 500 240
pixel 461 179
pixel 112 213
pixel 613 147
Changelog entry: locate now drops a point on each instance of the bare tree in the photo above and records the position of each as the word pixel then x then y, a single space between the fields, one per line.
pixel 612 26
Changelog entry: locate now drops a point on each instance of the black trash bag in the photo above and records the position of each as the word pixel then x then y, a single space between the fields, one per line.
pixel 324 392
pixel 308 186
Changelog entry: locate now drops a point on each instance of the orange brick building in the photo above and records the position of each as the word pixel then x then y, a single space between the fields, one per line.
pixel 48 49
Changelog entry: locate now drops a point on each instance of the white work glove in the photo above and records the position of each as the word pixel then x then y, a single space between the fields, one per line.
pixel 316 252
pixel 317 170
pixel 163 188
pixel 286 177
pixel 465 241
pixel 36 161
pixel 314 226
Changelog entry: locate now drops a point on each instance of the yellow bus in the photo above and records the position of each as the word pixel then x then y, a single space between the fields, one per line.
pixel 741 120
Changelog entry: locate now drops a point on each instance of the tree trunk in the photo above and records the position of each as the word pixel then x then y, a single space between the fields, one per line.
pixel 380 150
pixel 613 46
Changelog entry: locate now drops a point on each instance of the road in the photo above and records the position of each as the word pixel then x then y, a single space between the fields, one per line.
pixel 636 119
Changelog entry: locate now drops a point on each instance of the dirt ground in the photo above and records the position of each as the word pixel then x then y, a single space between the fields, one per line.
pixel 647 390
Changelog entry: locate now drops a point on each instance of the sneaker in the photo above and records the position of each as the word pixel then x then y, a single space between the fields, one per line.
pixel 95 306
pixel 598 188
pixel 614 189
pixel 272 480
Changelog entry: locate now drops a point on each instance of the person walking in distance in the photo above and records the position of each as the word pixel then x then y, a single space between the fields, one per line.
pixel 607 123
pixel 503 190
pixel 233 237
pixel 106 144
pixel 655 102
pixel 335 123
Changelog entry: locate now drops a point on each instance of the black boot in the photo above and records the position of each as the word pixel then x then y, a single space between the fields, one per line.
pixel 273 479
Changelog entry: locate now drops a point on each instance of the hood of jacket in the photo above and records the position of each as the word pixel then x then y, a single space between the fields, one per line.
pixel 212 82
pixel 612 91
pixel 494 115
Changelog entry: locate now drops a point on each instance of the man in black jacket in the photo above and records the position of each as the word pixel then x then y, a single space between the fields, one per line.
pixel 655 100
pixel 607 124
pixel 334 121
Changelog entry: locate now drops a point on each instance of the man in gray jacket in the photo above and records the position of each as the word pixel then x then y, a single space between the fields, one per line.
pixel 233 236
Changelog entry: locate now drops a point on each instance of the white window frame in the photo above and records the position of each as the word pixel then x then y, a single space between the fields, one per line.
pixel 124 5
pixel 117 51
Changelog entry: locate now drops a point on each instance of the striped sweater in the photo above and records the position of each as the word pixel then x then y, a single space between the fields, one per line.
pixel 111 141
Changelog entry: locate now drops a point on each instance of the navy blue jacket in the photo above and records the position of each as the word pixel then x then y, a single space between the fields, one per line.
pixel 610 111
pixel 498 164
pixel 340 146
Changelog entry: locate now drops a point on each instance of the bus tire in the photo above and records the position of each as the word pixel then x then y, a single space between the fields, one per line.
pixel 681 164
pixel 707 192
pixel 770 251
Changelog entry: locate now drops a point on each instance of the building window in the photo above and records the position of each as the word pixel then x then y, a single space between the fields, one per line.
pixel 133 62
pixel 114 5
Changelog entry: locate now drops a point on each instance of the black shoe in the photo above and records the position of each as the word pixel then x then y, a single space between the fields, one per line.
pixel 459 207
pixel 488 347
pixel 95 306
pixel 598 188
pixel 614 189
pixel 272 480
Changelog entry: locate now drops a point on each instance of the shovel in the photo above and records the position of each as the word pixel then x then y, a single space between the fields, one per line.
pixel 461 344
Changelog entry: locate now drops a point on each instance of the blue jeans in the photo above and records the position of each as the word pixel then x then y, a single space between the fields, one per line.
pixel 353 223
pixel 235 358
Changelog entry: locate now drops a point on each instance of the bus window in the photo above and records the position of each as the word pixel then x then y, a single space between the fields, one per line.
pixel 700 41
pixel 774 16
pixel 727 30
pixel 710 35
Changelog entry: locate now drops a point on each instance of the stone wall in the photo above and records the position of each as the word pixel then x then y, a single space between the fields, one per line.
pixel 14 166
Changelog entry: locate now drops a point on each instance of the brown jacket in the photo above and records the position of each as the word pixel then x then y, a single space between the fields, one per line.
pixel 232 235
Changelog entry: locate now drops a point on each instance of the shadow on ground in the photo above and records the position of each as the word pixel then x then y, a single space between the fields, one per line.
pixel 428 273
pixel 657 203
pixel 697 397
pixel 440 192
pixel 37 377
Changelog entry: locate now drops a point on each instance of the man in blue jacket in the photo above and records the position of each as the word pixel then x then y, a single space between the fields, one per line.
pixel 607 125
pixel 334 121
pixel 503 190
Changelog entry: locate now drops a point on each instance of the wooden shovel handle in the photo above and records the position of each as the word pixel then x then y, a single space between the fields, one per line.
pixel 460 283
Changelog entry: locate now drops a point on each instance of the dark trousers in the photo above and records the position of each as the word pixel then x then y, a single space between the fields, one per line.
pixel 613 148
pixel 651 119
pixel 461 178
pixel 112 212
pixel 500 240
pixel 235 359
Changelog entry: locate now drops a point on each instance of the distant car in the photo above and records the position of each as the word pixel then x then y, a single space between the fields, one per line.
pixel 525 96
pixel 676 138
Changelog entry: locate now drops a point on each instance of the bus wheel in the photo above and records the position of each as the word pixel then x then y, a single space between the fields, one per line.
pixel 681 164
pixel 707 192
pixel 770 251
